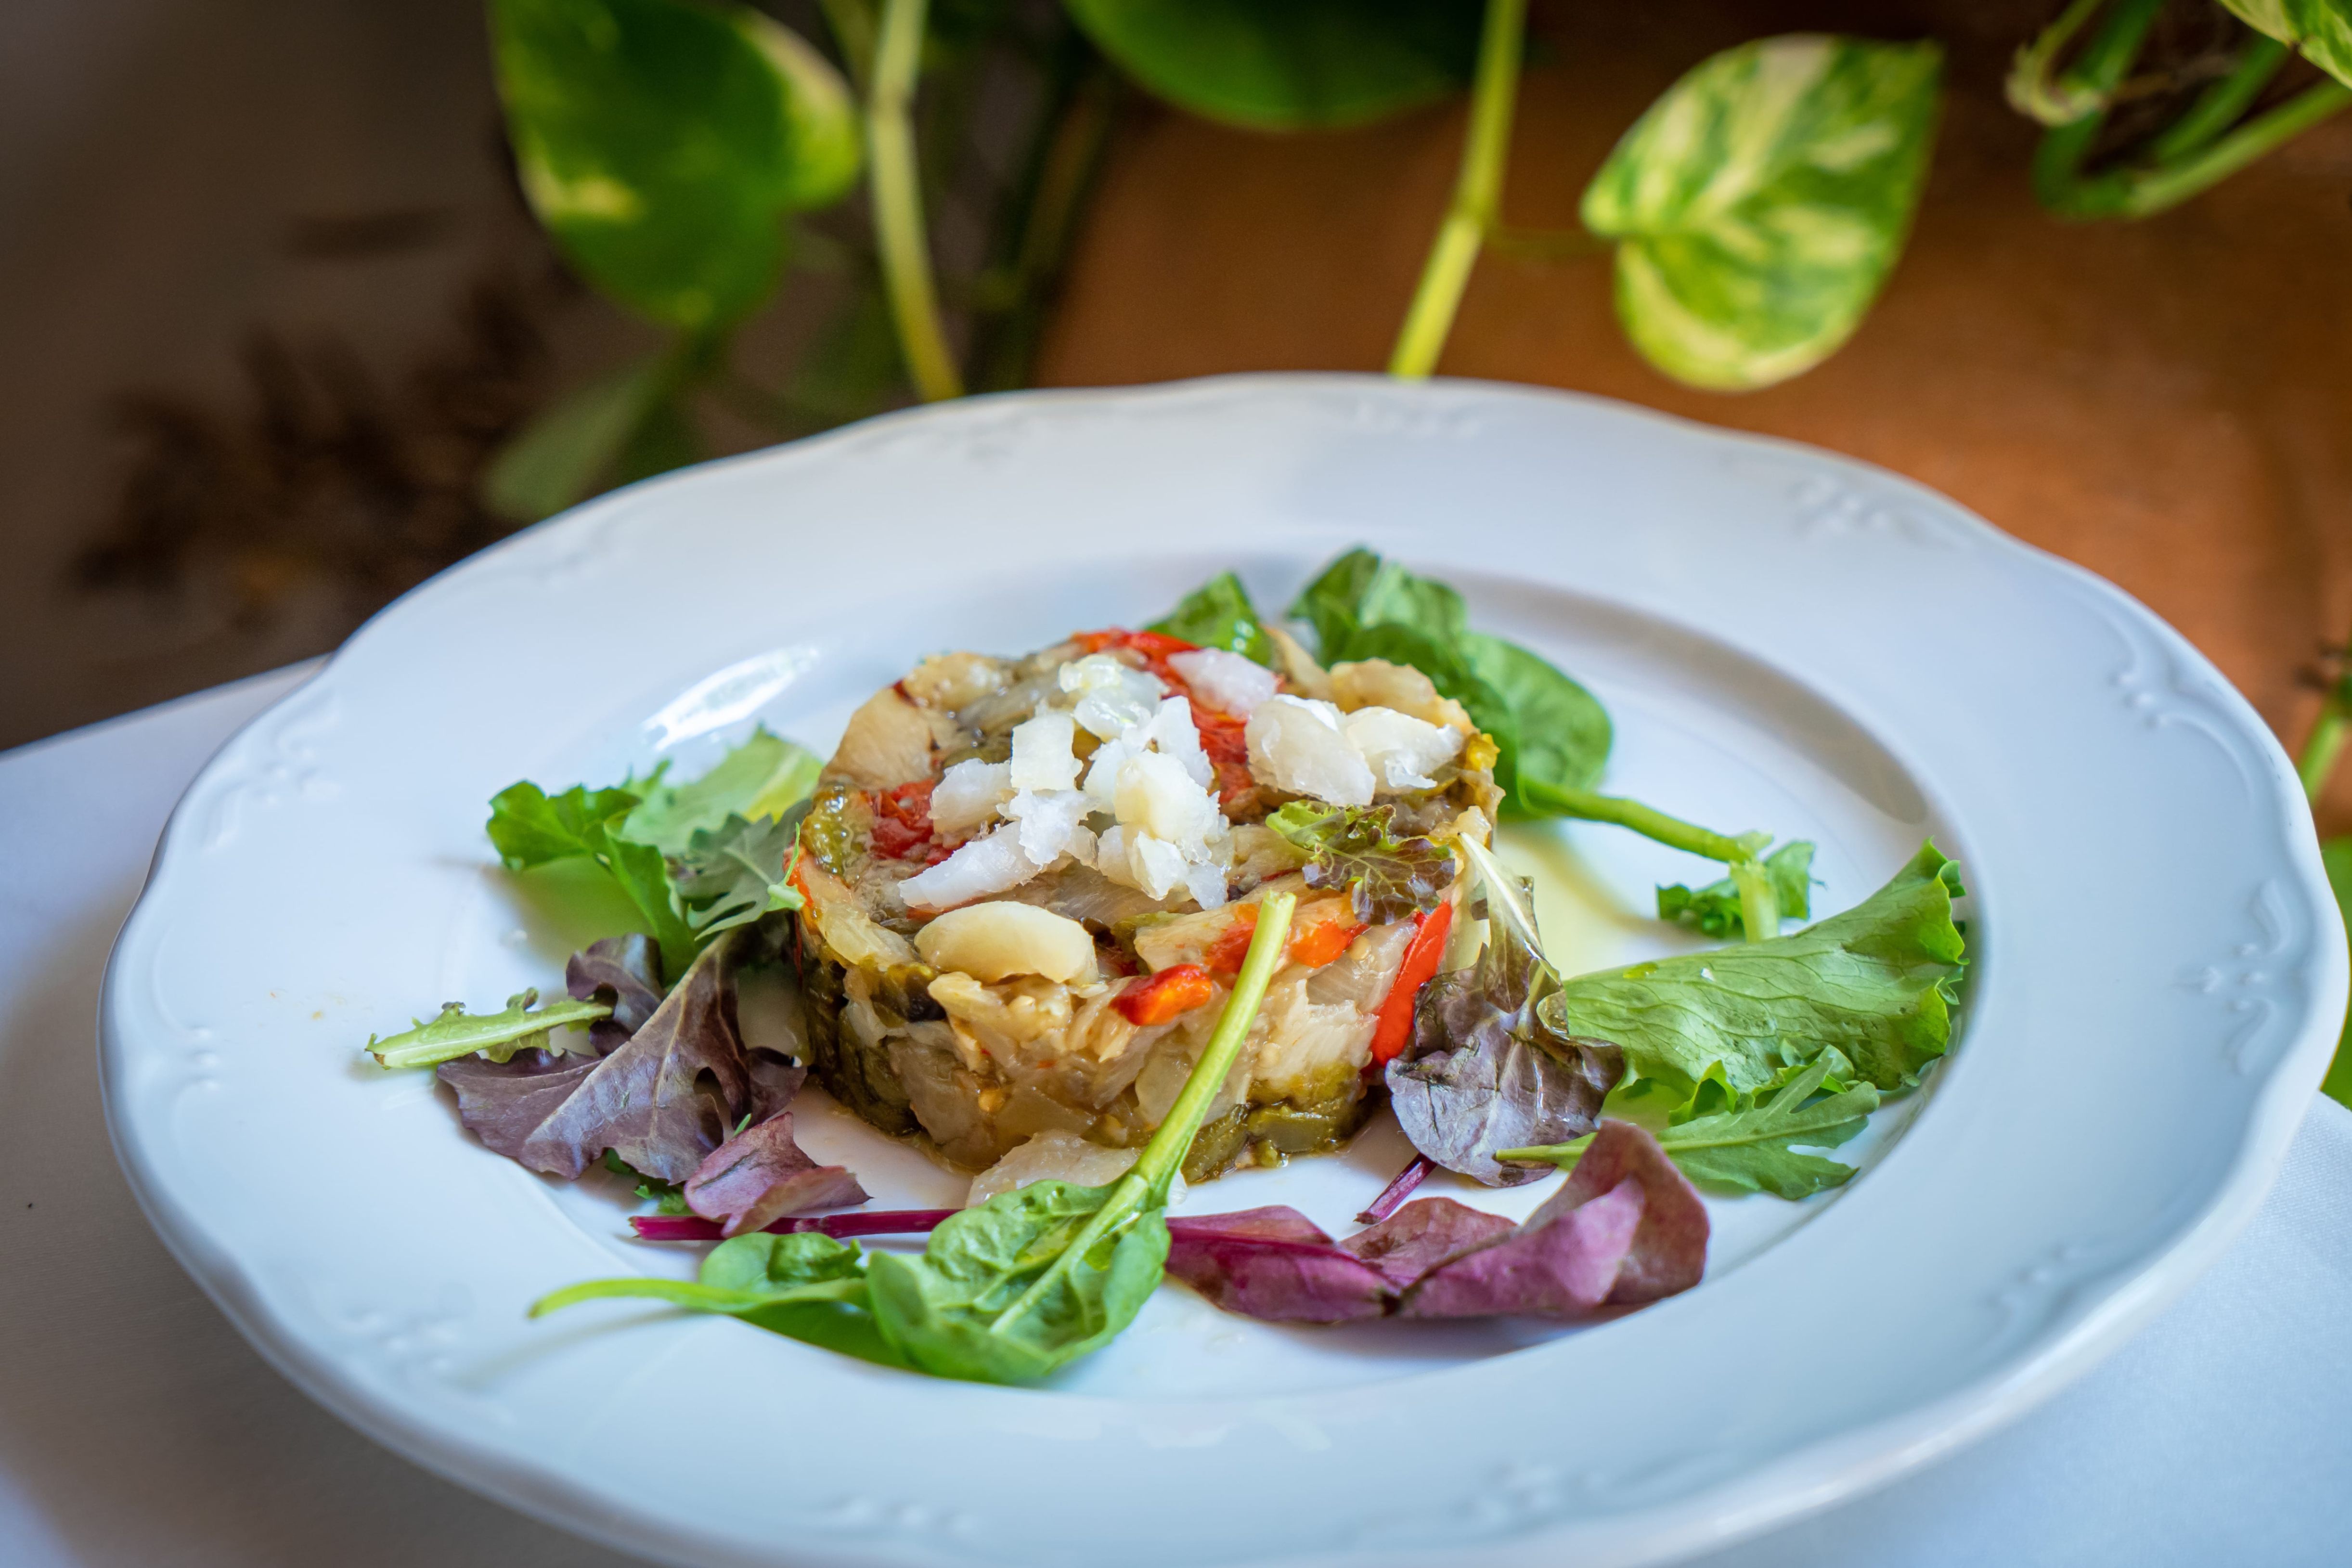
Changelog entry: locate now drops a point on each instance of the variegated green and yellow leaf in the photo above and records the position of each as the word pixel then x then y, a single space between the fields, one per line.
pixel 1759 205
pixel 2320 30
pixel 662 142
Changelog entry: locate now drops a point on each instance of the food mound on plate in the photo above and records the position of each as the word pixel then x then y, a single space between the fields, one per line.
pixel 1030 883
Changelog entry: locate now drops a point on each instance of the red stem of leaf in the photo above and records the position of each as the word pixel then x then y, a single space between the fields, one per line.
pixel 884 1222
pixel 1396 1192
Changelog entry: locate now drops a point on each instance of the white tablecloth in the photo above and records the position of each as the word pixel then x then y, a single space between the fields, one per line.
pixel 136 1428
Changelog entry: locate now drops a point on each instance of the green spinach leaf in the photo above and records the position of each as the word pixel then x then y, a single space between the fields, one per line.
pixel 1714 909
pixel 1036 1277
pixel 1560 732
pixel 1876 982
pixel 1218 613
pixel 1760 204
pixel 1388 878
pixel 1291 66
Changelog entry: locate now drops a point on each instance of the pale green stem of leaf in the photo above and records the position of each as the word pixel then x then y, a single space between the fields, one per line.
pixel 1759 906
pixel 1146 1182
pixel 897 188
pixel 696 1297
pixel 2141 192
pixel 430 1045
pixel 851 22
pixel 2219 106
pixel 2035 88
pixel 1646 820
pixel 1477 194
pixel 2325 745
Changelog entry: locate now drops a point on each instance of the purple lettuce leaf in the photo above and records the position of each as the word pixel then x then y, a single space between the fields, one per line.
pixel 625 974
pixel 760 1175
pixel 1484 1068
pixel 1273 1264
pixel 1623 1230
pixel 661 1101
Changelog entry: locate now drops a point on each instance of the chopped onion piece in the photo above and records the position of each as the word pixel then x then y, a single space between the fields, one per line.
pixel 1299 745
pixel 988 865
pixel 1112 696
pixel 1226 681
pixel 1043 757
pixel 1400 750
pixel 969 794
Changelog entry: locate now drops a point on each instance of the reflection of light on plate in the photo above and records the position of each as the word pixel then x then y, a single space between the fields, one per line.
pixel 736 693
pixel 1583 926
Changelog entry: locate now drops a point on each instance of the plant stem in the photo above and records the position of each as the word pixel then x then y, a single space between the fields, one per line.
pixel 1477 194
pixel 1759 906
pixel 897 192
pixel 2139 192
pixel 2326 742
pixel 1146 1183
pixel 2220 105
pixel 2092 77
pixel 1646 820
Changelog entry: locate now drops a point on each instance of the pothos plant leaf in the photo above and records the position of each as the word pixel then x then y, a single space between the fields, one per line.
pixel 1294 66
pixel 662 142
pixel 1713 910
pixel 1387 878
pixel 1759 205
pixel 1218 613
pixel 1485 1069
pixel 2320 30
pixel 1876 982
pixel 565 449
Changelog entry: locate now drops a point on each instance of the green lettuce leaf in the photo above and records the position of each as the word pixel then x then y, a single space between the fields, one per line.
pixel 1388 878
pixel 1876 982
pixel 1714 909
pixel 533 828
pixel 1750 1143
pixel 454 1032
pixel 764 776
pixel 1218 613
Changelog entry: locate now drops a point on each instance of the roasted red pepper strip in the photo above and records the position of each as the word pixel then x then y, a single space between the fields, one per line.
pixel 1316 943
pixel 902 824
pixel 1225 955
pixel 1421 956
pixel 1157 998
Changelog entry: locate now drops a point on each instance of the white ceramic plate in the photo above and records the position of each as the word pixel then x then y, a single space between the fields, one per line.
pixel 1787 640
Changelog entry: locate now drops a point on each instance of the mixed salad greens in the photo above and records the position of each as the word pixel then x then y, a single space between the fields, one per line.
pixel 1719 1069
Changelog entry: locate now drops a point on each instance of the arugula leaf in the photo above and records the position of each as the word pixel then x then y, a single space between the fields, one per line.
pixel 1218 613
pixel 1877 982
pixel 760 778
pixel 1714 909
pixel 1036 1277
pixel 532 827
pixel 732 877
pixel 1486 1069
pixel 1388 878
pixel 1750 1145
pixel 668 1197
pixel 454 1033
